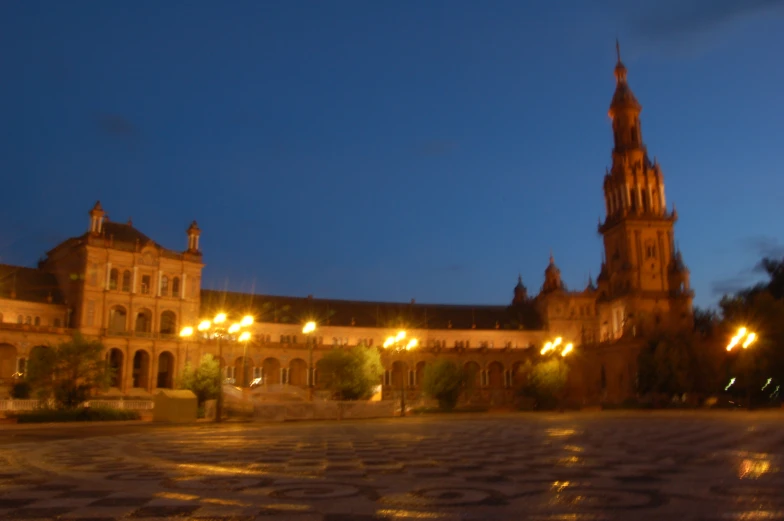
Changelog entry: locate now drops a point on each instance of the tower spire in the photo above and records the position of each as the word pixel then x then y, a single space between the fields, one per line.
pixel 618 49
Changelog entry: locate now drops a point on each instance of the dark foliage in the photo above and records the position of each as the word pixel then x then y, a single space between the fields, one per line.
pixel 76 415
pixel 444 381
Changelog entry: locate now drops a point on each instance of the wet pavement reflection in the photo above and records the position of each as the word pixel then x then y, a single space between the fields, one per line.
pixel 700 466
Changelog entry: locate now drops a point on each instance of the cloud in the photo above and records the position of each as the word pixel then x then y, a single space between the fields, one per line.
pixel 764 246
pixel 116 125
pixel 451 267
pixel 686 17
pixel 759 247
pixel 436 147
pixel 730 285
pixel 683 28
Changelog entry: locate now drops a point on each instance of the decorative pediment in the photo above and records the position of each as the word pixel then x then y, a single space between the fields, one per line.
pixel 148 256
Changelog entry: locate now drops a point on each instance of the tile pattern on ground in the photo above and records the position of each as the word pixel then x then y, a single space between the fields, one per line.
pixel 582 467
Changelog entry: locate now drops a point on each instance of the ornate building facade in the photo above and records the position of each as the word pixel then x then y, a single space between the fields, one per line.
pixel 115 284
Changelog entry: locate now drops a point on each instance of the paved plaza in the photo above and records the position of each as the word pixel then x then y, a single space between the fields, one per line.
pixel 567 467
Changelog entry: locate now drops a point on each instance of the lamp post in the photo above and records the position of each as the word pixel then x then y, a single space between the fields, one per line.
pixel 398 344
pixel 308 329
pixel 218 330
pixel 563 349
pixel 744 338
pixel 186 333
pixel 554 346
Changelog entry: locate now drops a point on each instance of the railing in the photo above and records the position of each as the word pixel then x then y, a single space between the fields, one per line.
pixel 140 334
pixel 31 405
pixel 20 405
pixel 135 405
pixel 32 328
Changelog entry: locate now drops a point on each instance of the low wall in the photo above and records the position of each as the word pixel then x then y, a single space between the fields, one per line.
pixel 323 410
pixel 30 405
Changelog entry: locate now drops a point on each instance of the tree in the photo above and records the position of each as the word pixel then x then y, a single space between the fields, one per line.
pixel 761 312
pixel 548 378
pixel 202 381
pixel 545 380
pixel 679 362
pixel 351 374
pixel 444 380
pixel 69 372
pixel 705 321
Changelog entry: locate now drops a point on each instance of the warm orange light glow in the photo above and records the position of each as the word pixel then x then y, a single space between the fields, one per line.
pixel 234 328
pixel 412 344
pixel 220 318
pixel 244 337
pixel 743 337
pixel 567 349
pixel 547 347
pixel 309 327
pixel 186 331
pixel 400 336
pixel 246 321
pixel 389 341
pixel 204 325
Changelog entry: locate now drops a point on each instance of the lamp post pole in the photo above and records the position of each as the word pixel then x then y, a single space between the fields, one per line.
pixel 396 343
pixel 744 338
pixel 219 400
pixel 217 330
pixel 308 329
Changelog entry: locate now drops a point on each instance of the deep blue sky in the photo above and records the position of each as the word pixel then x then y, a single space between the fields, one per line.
pixel 388 150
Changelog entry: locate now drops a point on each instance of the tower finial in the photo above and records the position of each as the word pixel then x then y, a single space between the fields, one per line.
pixel 618 49
pixel 552 259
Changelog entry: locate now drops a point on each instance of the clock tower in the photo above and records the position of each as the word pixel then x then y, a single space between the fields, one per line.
pixel 644 283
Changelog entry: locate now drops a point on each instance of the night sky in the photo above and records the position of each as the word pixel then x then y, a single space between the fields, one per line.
pixel 385 150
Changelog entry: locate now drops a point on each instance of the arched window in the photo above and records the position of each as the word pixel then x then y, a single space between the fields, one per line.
pixel 37 321
pixel 168 323
pixel 117 319
pixel 114 275
pixel 19 319
pixel 176 287
pixel 1 318
pixel 126 281
pixel 143 321
pixel 164 286
pixel 28 320
pixel 56 322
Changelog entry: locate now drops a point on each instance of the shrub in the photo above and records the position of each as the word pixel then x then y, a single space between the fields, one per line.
pixel 68 372
pixel 351 374
pixel 443 381
pixel 202 381
pixel 75 415
pixel 20 390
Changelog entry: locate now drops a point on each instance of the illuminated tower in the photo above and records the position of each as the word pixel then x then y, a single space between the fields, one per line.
pixel 644 281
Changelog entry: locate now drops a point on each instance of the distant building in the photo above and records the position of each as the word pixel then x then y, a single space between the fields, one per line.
pixel 116 284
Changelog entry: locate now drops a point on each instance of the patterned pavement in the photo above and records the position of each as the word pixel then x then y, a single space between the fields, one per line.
pixel 699 466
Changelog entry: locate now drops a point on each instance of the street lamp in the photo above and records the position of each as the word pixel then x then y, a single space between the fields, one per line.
pixel 186 333
pixel 744 338
pixel 308 329
pixel 218 330
pixel 398 344
pixel 554 345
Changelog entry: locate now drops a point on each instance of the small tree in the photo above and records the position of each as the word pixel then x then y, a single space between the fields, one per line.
pixel 351 374
pixel 69 372
pixel 546 381
pixel 444 381
pixel 202 381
